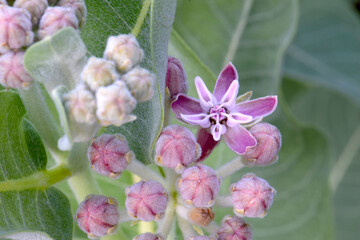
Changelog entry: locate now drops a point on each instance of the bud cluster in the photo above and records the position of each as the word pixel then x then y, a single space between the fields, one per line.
pixel 25 22
pixel 116 83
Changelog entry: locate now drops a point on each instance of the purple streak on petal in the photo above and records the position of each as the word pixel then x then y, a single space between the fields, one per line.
pixel 229 98
pixel 201 119
pixel 226 77
pixel 185 105
pixel 217 130
pixel 234 119
pixel 256 108
pixel 206 98
pixel 207 143
pixel 239 139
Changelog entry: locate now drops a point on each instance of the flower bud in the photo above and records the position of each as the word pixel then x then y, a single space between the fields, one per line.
pixel 56 18
pixel 140 82
pixel 15 28
pixel 35 7
pixel 200 238
pixel 268 145
pixel 98 216
pixel 78 6
pixel 176 80
pixel 99 72
pixel 201 216
pixel 176 148
pixel 124 50
pixel 12 70
pixel 146 200
pixel 199 185
pixel 109 155
pixel 114 104
pixel 252 196
pixel 148 236
pixel 80 104
pixel 234 228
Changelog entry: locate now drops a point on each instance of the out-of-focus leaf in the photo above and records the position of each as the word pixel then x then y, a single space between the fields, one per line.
pixel 28 236
pixel 22 154
pixel 112 17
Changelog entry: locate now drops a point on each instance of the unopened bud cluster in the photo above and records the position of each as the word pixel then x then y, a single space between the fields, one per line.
pixel 116 83
pixel 26 22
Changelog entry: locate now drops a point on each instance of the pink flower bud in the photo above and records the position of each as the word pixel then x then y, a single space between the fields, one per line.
pixel 140 82
pixel 115 104
pixel 109 155
pixel 252 196
pixel 124 50
pixel 98 216
pixel 201 238
pixel 78 6
pixel 146 200
pixel 15 28
pixel 207 143
pixel 199 185
pixel 268 145
pixel 56 18
pixel 176 80
pixel 99 72
pixel 148 236
pixel 176 148
pixel 12 70
pixel 35 7
pixel 234 228
pixel 201 216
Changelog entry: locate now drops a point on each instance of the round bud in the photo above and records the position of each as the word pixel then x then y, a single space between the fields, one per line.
pixel 80 104
pixel 146 200
pixel 140 82
pixel 99 72
pixel 234 228
pixel 98 216
pixel 176 148
pixel 200 238
pixel 199 185
pixel 12 70
pixel 109 155
pixel 15 28
pixel 124 50
pixel 176 80
pixel 114 104
pixel 35 7
pixel 201 216
pixel 78 6
pixel 56 18
pixel 252 196
pixel 268 145
pixel 148 236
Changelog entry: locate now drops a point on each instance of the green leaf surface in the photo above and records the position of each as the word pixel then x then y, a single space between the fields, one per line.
pixel 22 154
pixel 112 17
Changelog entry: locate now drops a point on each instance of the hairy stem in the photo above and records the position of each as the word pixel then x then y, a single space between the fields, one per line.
pixel 223 201
pixel 230 167
pixel 186 228
pixel 141 18
pixel 167 222
pixel 144 172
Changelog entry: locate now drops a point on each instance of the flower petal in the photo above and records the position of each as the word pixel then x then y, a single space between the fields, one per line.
pixel 226 77
pixel 229 99
pixel 259 107
pixel 201 119
pixel 207 143
pixel 206 98
pixel 217 130
pixel 185 105
pixel 234 119
pixel 239 139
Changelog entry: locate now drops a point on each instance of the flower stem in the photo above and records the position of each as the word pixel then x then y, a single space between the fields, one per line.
pixel 186 228
pixel 223 201
pixel 167 222
pixel 230 167
pixel 144 172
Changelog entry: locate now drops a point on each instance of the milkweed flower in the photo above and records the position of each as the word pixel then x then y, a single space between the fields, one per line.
pixel 221 112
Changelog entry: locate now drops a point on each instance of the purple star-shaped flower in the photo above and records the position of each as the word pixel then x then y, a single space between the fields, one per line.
pixel 221 112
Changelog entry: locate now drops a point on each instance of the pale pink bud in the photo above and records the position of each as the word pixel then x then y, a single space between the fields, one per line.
pixel 98 216
pixel 78 6
pixel 35 7
pixel 80 104
pixel 199 185
pixel 140 82
pixel 176 80
pixel 200 238
pixel 234 228
pixel 114 104
pixel 146 200
pixel 176 148
pixel 56 18
pixel 252 196
pixel 99 72
pixel 125 50
pixel 12 70
pixel 268 145
pixel 15 28
pixel 109 155
pixel 148 236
